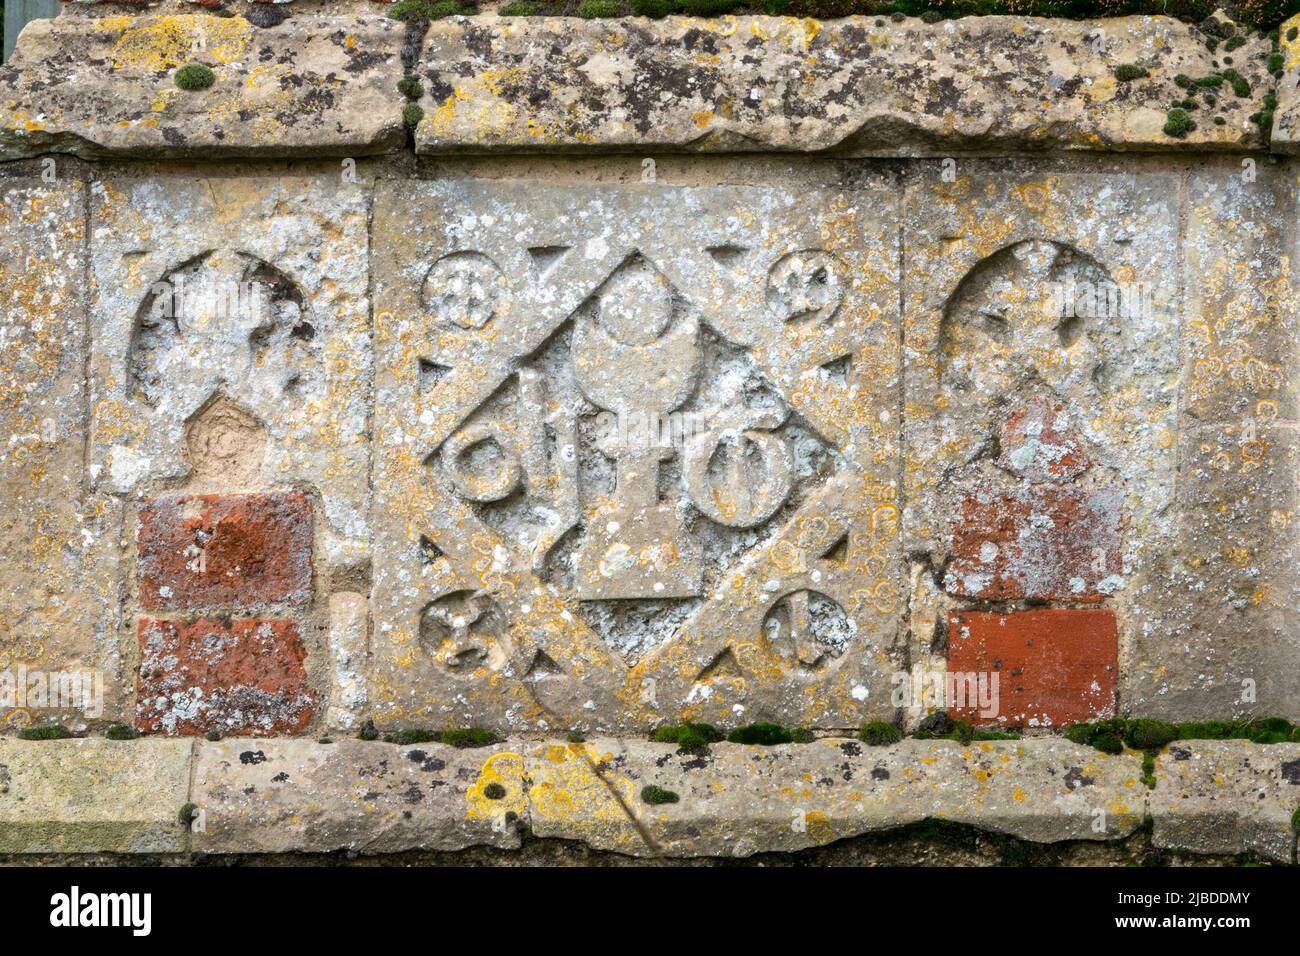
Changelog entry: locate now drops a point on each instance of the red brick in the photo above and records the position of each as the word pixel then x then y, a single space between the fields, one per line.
pixel 225 552
pixel 1041 542
pixel 1039 445
pixel 240 677
pixel 1055 666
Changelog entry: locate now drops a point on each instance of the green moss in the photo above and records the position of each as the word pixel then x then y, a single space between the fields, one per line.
pixel 519 8
pixel 1178 124
pixel 1127 72
pixel 1234 42
pixel 411 11
pixel 654 9
pixel 187 814
pixel 1275 63
pixel 590 9
pixel 494 791
pixel 469 737
pixel 194 76
pixel 1149 769
pixel 1213 80
pixel 412 735
pixel 1295 821
pixel 880 733
pixel 1292 34
pixel 657 795
pixel 45 732
pixel 687 736
pixel 368 731
pixel 412 114
pixel 121 732
pixel 576 737
pixel 1146 734
pixel 762 735
pixel 410 87
pixel 1185 81
pixel 212 735
pixel 1239 85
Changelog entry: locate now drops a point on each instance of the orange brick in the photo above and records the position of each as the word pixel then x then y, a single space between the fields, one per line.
pixel 1055 666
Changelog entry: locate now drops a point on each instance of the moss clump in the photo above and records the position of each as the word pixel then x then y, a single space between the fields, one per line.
pixel 656 795
pixel 1234 42
pixel 1127 72
pixel 519 8
pixel 590 9
pixel 768 735
pixel 494 791
pixel 1178 124
pixel 1104 735
pixel 411 115
pixel 467 737
pixel 1146 734
pixel 1295 821
pixel 412 735
pixel 1185 81
pixel 1213 80
pixel 1292 34
pixel 880 733
pixel 687 736
pixel 412 11
pixel 1187 104
pixel 1239 85
pixel 576 737
pixel 187 814
pixel 212 735
pixel 121 732
pixel 1149 769
pixel 368 731
pixel 45 732
pixel 654 9
pixel 1275 63
pixel 194 76
pixel 410 87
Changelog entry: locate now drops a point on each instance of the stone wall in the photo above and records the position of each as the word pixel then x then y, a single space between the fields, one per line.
pixel 740 370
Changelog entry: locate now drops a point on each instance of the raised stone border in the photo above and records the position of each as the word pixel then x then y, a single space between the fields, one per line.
pixel 300 796
pixel 327 84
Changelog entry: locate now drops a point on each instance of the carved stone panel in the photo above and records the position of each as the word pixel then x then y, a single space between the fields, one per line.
pixel 1042 363
pixel 636 455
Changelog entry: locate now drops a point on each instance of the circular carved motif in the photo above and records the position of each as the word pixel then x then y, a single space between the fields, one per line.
pixel 804 285
pixel 636 304
pixel 464 289
pixel 480 467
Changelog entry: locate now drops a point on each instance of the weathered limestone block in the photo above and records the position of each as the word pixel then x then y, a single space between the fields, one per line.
pixel 57 537
pixel 1227 796
pixel 860 84
pixel 312 86
pixel 1219 636
pixel 300 796
pixel 93 796
pixel 635 455
pixel 1286 118
pixel 737 801
pixel 1040 298
pixel 230 377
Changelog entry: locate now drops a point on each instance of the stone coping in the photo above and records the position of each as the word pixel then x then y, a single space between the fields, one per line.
pixel 321 83
pixel 302 796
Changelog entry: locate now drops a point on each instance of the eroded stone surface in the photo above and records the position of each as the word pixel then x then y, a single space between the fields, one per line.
pixel 315 85
pixel 1227 796
pixel 859 83
pixel 635 455
pixel 737 801
pixel 295 796
pixel 57 537
pixel 93 796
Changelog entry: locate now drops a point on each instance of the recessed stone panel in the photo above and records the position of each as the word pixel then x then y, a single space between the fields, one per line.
pixel 635 454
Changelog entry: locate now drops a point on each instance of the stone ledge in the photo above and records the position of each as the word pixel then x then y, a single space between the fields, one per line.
pixel 326 84
pixel 104 86
pixel 300 796
pixel 93 796
pixel 1223 796
pixel 860 85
